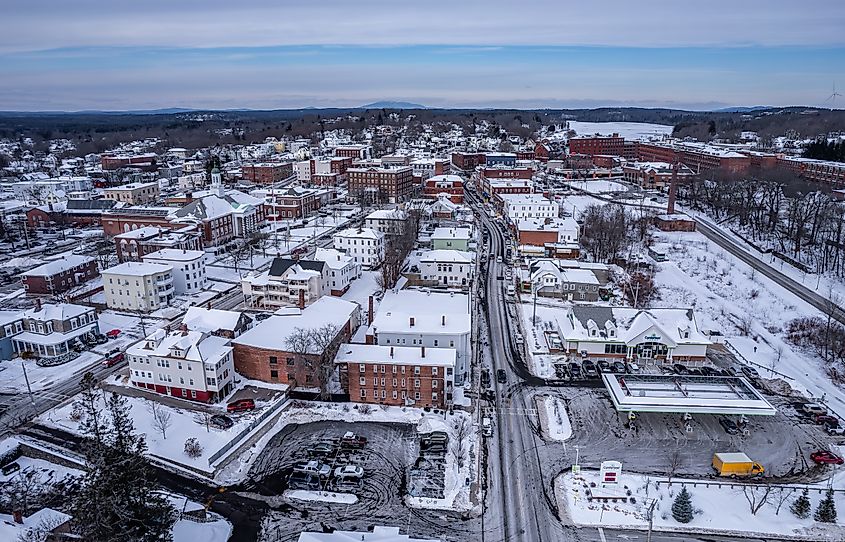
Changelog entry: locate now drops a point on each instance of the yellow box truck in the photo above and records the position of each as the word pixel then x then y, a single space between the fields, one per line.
pixel 735 464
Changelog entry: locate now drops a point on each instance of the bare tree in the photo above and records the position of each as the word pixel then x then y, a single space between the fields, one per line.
pixel 300 343
pixel 23 492
pixel 674 461
pixel 757 496
pixel 326 343
pixel 161 417
pixel 460 441
pixel 776 359
pixel 781 496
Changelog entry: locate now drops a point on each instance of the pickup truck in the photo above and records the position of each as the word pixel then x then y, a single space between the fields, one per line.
pixel 736 464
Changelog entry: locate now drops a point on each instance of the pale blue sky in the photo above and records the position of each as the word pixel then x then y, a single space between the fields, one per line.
pixel 266 54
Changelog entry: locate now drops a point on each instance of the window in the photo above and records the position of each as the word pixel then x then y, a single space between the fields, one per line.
pixel 394 394
pixel 434 370
pixel 193 394
pixel 273 360
pixel 362 368
pixel 363 393
pixel 416 382
pixel 434 384
pixel 417 396
pixel 274 374
pixel 362 381
pixel 289 362
pixel 434 396
pixel 416 370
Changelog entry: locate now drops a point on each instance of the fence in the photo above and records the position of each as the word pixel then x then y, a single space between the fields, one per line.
pixel 240 436
pixel 742 485
pixel 749 362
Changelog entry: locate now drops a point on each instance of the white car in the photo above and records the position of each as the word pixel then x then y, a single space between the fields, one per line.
pixel 349 471
pixel 313 467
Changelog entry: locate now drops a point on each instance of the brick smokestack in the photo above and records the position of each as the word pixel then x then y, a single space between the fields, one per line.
pixel 302 299
pixel 370 312
pixel 673 189
pixel 37 304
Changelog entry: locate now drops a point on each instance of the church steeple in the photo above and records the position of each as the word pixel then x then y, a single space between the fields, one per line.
pixel 217 182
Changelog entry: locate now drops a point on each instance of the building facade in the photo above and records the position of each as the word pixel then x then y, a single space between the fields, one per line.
pixel 138 286
pixel 59 276
pixel 364 245
pixel 188 268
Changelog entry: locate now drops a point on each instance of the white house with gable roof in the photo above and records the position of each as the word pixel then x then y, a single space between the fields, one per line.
pixel 364 245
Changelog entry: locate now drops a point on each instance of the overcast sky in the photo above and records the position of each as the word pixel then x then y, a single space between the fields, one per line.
pixel 57 55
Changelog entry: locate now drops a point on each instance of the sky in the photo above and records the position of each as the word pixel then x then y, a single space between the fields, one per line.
pixel 271 54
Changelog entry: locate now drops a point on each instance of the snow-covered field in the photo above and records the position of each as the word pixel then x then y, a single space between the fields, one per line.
pixel 598 186
pixel 554 418
pixel 726 294
pixel 576 205
pixel 628 130
pixel 722 509
pixel 186 530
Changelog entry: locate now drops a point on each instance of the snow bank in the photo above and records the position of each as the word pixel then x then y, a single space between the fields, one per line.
pixel 554 418
pixel 322 496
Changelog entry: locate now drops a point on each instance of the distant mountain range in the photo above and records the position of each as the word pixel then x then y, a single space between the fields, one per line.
pixel 392 105
pixel 747 109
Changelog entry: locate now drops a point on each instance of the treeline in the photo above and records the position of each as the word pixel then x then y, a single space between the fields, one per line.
pixel 777 209
pixel 822 149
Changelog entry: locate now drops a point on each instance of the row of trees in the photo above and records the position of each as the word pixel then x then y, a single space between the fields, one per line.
pixel 777 209
pixel 822 149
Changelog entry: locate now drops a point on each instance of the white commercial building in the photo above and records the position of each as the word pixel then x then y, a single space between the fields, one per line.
pixel 425 318
pixel 188 268
pixel 387 221
pixel 138 286
pixel 188 364
pixel 448 268
pixel 521 206
pixel 364 245
pixel 342 269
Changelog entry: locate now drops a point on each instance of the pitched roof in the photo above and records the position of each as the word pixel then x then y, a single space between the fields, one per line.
pixel 280 265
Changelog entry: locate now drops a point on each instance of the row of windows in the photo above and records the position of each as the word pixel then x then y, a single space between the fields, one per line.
pixel 421 342
pixel 382 382
pixel 395 395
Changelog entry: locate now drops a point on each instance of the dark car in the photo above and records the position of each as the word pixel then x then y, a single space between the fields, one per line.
pixel 750 372
pixel 220 421
pixel 241 405
pixel 618 367
pixel 485 378
pixel 321 449
pixel 303 480
pixel 728 371
pixel 589 369
pixel 680 368
pixel 710 371
pixel 434 441
pixel 823 457
pixel 114 360
pixel 825 419
pixel 603 366
pixel 10 468
pixel 501 376
pixel 729 426
pixel 574 369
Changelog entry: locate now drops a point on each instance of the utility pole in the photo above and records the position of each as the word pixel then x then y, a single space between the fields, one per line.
pixel 650 518
pixel 28 387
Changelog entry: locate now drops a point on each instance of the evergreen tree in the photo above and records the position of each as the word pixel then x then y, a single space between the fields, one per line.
pixel 801 506
pixel 117 500
pixel 682 507
pixel 826 512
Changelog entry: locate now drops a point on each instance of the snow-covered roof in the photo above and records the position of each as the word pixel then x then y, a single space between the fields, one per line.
pixel 65 263
pixel 411 355
pixel 60 311
pixel 359 233
pixel 273 332
pixel 447 256
pixel 210 320
pixel 194 345
pixel 335 259
pixel 432 312
pixel 174 254
pixel 548 224
pixel 379 534
pixel 451 233
pixel 138 269
pixel 388 214
pixel 670 325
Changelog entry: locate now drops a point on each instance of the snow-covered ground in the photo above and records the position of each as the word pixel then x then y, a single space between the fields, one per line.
pixel 575 205
pixel 726 293
pixel 717 509
pixel 598 186
pixel 628 130
pixel 542 362
pixel 48 472
pixel 322 496
pixel 554 418
pixel 13 380
pixel 186 530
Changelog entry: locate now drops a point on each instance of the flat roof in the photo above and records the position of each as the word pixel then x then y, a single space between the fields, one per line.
pixel 686 394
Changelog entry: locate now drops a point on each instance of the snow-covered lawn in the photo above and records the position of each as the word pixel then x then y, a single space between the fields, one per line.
pixel 184 424
pixel 542 362
pixel 727 294
pixel 12 379
pixel 627 130
pixel 576 205
pixel 322 496
pixel 554 418
pixel 598 186
pixel 716 509
pixel 49 472
pixel 186 530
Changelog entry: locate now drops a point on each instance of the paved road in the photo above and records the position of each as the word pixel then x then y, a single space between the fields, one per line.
pixel 808 295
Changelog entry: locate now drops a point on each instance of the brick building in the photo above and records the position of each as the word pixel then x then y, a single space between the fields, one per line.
pixel 391 185
pixel 134 193
pixel 467 161
pixel 117 221
pixel 397 375
pixel 267 172
pixel 132 246
pixel 613 145
pixel 356 152
pixel 60 275
pixel 452 185
pixel 293 201
pixel 110 162
pixel 265 352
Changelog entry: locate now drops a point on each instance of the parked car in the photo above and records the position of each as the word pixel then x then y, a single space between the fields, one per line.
pixel 487 427
pixel 485 378
pixel 710 371
pixel 729 426
pixel 220 421
pixel 351 440
pixel 824 419
pixel 631 367
pixel 313 467
pixel 834 430
pixel 823 457
pixel 349 471
pixel 501 376
pixel 574 369
pixel 10 468
pixel 750 372
pixel 680 368
pixel 618 367
pixel 813 409
pixel 114 360
pixel 112 334
pixel 728 371
pixel 603 366
pixel 321 449
pixel 589 369
pixel 303 480
pixel 435 441
pixel 241 405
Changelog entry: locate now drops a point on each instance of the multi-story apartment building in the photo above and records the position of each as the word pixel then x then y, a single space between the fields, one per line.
pixel 521 206
pixel 60 275
pixel 549 237
pixel 364 245
pixel 357 152
pixel 398 375
pixel 267 172
pixel 111 162
pixel 49 332
pixel 273 350
pixel 467 161
pixel 379 184
pixel 138 286
pixel 293 201
pixel 188 268
pixel 342 269
pixel 135 244
pixel 425 318
pixel 446 268
pixel 134 193
pixel 613 145
pixel 451 239
pixel 426 168
pixel 387 221
pixel 654 175
pixel 452 185
pixel 287 283
pixel 188 364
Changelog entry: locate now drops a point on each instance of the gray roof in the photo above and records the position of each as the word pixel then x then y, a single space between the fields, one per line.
pixel 280 265
pixel 599 315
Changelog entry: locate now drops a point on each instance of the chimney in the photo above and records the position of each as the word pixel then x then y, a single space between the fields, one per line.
pixel 422 351
pixel 673 189
pixel 17 515
pixel 184 329
pixel 301 299
pixel 209 305
pixel 443 320
pixel 412 321
pixel 391 351
pixel 370 312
